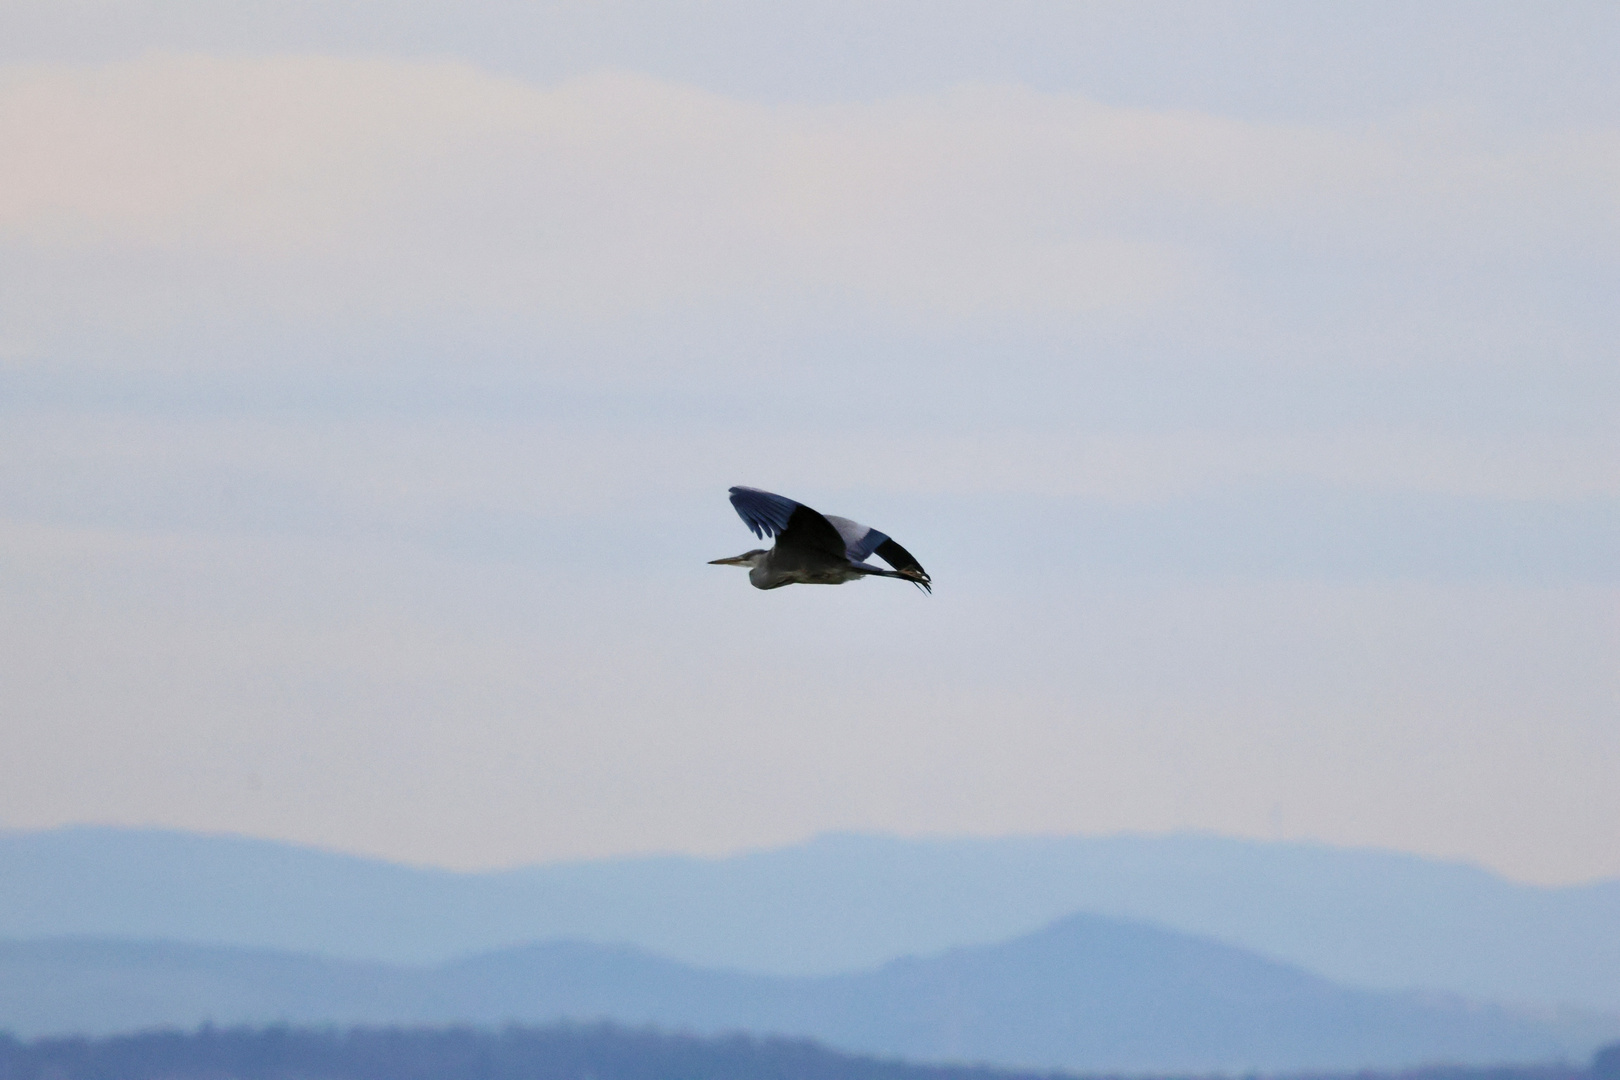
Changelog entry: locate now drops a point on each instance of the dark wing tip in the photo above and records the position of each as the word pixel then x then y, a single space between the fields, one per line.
pixel 901 559
pixel 906 563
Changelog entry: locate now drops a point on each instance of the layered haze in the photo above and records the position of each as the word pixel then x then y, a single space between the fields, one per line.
pixel 370 382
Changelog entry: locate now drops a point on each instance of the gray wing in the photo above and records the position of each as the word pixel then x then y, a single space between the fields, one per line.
pixel 863 541
pixel 766 514
pixel 859 540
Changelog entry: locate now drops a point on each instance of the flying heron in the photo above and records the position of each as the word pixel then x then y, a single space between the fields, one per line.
pixel 812 549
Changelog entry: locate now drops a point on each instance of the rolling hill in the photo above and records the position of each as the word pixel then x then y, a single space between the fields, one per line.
pixel 1086 993
pixel 839 903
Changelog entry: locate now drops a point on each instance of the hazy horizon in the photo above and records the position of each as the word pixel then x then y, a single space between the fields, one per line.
pixel 799 842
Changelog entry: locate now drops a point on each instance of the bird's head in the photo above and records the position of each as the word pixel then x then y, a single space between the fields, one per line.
pixel 749 559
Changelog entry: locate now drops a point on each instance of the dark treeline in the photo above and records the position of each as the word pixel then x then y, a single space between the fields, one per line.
pixel 562 1052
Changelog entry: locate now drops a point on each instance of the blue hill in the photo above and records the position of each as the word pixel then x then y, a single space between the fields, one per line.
pixel 1087 993
pixel 840 903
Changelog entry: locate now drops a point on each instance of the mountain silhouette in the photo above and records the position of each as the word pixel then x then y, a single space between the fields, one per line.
pixel 1086 993
pixel 839 903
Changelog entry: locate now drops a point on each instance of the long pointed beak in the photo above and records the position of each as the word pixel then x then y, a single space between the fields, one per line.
pixel 735 560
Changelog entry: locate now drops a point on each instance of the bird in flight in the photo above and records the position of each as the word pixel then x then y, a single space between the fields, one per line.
pixel 814 549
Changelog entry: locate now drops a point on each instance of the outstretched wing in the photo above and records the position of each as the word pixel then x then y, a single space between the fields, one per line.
pixel 859 540
pixel 863 541
pixel 793 524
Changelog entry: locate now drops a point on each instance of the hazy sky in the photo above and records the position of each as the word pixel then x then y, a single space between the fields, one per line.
pixel 371 376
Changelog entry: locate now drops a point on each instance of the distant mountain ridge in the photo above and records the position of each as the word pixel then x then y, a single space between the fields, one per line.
pixel 839 903
pixel 1087 993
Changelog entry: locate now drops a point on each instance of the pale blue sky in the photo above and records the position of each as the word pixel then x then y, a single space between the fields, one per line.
pixel 371 376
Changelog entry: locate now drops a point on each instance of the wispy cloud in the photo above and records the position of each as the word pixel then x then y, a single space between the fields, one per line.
pixel 311 188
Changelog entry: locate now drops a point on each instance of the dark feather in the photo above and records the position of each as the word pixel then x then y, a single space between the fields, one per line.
pixel 808 530
pixel 901 559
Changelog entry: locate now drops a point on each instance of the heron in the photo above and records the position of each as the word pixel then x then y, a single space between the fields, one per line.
pixel 812 548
